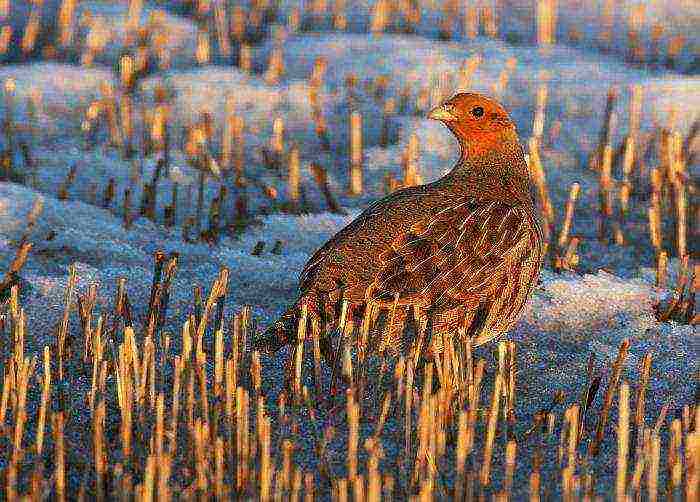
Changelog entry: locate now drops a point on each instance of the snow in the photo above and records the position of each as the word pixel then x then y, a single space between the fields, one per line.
pixel 677 17
pixel 60 90
pixel 18 17
pixel 516 23
pixel 570 315
pixel 578 85
pixel 180 33
pixel 578 79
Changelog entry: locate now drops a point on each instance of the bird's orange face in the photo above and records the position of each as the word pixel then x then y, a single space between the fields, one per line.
pixel 480 123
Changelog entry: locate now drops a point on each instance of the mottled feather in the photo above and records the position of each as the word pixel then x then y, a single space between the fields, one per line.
pixel 464 251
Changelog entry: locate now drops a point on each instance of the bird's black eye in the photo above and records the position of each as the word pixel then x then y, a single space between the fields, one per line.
pixel 477 111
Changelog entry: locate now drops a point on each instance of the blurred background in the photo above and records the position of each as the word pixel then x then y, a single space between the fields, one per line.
pixel 165 147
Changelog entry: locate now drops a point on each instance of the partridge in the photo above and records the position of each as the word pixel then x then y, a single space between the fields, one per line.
pixel 463 252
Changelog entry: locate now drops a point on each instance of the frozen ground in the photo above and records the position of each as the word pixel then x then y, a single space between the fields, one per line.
pixel 515 23
pixel 676 17
pixel 57 93
pixel 516 18
pixel 578 84
pixel 570 316
pixel 179 34
pixel 98 22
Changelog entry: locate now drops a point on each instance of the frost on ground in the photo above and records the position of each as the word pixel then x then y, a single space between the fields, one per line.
pixel 569 318
pixel 107 22
pixel 578 82
pixel 98 26
pixel 578 22
pixel 47 99
pixel 208 89
pixel 582 23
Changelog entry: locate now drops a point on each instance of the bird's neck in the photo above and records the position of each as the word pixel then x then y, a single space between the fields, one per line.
pixel 504 160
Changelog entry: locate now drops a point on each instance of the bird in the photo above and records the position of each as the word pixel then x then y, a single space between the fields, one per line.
pixel 464 251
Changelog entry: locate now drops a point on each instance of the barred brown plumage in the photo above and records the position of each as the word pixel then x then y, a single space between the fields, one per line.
pixel 464 251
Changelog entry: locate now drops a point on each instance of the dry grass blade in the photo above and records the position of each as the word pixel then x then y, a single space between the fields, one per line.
pixel 485 473
pixel 622 443
pixel 11 276
pixel 639 421
pixel 321 177
pixel 356 155
pixel 594 446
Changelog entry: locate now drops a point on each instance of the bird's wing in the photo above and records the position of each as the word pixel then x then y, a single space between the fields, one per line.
pixel 454 256
pixel 376 214
pixel 316 259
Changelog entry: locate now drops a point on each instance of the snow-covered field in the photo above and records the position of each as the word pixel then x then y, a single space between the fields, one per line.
pixel 570 316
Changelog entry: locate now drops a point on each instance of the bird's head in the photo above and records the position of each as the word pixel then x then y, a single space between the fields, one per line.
pixel 480 124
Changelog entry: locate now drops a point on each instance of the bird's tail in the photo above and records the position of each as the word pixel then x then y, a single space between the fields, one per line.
pixel 280 333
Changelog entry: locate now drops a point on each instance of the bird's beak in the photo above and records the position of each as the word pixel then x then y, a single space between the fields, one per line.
pixel 443 113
